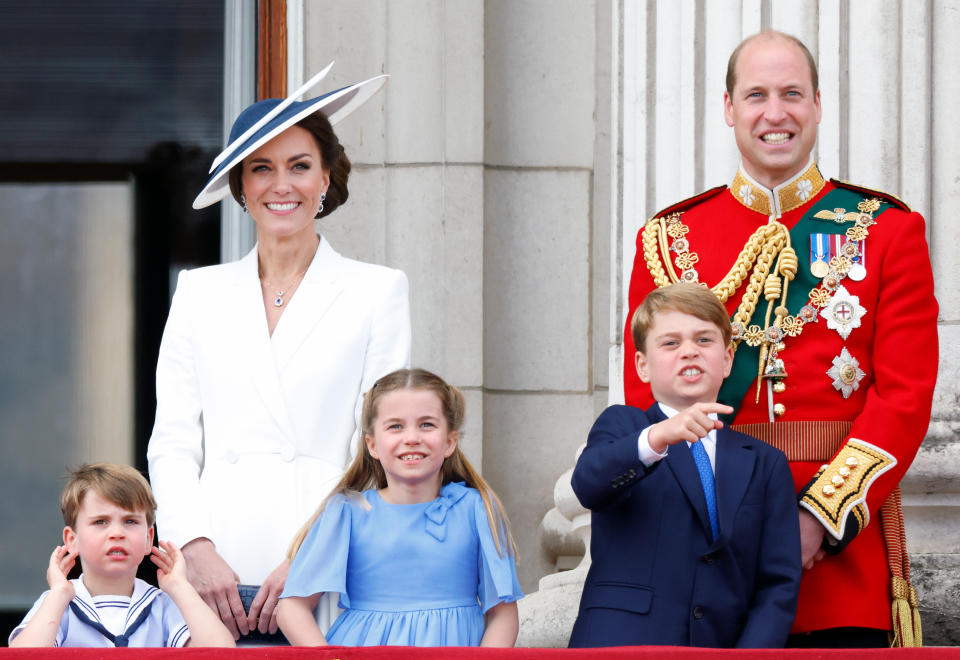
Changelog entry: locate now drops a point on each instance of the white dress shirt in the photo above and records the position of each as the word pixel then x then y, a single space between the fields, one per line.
pixel 648 456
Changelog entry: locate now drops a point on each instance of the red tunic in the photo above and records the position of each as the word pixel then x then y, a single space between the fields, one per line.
pixel 896 346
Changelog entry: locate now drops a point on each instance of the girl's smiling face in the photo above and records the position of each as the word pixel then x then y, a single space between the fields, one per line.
pixel 411 440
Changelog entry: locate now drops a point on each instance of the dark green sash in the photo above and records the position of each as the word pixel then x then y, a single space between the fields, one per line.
pixel 743 374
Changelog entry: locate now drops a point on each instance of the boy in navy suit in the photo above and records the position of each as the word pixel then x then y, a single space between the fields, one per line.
pixel 695 536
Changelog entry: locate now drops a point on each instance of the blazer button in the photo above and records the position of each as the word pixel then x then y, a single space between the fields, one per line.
pixel 288 452
pixel 710 559
pixel 697 612
pixel 231 456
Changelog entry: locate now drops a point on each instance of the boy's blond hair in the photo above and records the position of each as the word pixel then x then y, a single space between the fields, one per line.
pixel 120 484
pixel 692 299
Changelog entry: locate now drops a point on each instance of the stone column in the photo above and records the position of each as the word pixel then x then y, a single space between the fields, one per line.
pixel 474 172
pixel 417 185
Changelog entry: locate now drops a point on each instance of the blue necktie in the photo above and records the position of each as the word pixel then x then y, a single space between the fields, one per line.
pixel 706 479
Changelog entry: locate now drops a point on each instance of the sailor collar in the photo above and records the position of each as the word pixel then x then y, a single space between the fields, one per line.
pixel 790 194
pixel 143 595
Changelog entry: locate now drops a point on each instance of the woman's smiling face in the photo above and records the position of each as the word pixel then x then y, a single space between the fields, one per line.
pixel 282 182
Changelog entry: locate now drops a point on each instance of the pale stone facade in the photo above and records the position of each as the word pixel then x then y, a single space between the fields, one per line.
pixel 474 172
pixel 518 147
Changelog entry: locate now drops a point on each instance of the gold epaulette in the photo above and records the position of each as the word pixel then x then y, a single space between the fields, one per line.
pixel 840 488
pixel 689 202
pixel 870 192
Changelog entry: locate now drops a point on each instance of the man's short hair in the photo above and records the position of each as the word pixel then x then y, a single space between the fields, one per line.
pixel 120 484
pixel 692 299
pixel 770 34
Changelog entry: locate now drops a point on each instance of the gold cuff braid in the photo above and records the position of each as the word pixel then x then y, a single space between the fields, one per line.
pixel 840 488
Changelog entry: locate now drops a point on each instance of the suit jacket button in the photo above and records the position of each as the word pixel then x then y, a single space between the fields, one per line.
pixel 697 612
pixel 709 559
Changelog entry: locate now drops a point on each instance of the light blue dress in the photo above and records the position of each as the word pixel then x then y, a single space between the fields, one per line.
pixel 407 574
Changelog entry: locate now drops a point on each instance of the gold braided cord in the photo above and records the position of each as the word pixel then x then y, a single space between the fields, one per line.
pixel 757 255
pixel 774 291
pixel 651 239
pixel 760 255
pixel 907 627
pixel 665 250
pixel 758 278
pixel 758 242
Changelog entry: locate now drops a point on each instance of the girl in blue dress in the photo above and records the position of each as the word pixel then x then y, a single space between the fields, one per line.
pixel 413 539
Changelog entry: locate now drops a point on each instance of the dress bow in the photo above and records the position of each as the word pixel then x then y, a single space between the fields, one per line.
pixel 436 511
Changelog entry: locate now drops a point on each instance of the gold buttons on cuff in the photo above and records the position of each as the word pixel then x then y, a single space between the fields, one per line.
pixel 779 410
pixel 837 480
pixel 779 387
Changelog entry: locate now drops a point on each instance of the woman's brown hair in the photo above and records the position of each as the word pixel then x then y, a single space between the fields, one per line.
pixel 366 472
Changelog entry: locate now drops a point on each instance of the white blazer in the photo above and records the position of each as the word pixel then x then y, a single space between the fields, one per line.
pixel 253 431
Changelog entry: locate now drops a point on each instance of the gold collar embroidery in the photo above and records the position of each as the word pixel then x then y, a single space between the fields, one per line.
pixel 787 196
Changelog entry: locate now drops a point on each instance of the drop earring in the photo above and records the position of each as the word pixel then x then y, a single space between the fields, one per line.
pixel 323 197
pixel 243 202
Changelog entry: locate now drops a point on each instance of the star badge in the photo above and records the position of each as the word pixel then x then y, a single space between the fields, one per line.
pixel 843 312
pixel 846 373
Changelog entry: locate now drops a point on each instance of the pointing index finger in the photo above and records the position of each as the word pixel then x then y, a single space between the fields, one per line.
pixel 716 407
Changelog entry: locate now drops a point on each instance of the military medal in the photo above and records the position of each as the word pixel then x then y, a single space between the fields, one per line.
pixel 858 270
pixel 846 373
pixel 843 312
pixel 819 268
pixel 819 253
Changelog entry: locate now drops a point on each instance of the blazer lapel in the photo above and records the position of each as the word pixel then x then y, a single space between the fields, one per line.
pixel 735 461
pixel 680 461
pixel 321 285
pixel 253 336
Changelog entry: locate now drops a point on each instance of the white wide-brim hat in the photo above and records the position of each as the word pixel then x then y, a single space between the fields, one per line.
pixel 264 120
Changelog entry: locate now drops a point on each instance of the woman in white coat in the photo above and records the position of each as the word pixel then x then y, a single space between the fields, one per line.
pixel 264 361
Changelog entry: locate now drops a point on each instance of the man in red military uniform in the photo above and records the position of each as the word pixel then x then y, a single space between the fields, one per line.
pixel 830 291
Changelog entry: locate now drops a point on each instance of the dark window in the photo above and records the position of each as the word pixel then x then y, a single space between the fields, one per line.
pixel 111 115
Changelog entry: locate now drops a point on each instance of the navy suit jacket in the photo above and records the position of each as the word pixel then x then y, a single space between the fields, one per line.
pixel 656 576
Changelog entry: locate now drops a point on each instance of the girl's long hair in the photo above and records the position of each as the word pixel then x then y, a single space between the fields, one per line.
pixel 366 472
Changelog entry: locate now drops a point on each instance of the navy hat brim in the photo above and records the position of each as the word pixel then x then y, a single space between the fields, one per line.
pixel 335 105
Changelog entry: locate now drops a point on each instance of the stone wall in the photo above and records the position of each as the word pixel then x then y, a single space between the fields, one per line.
pixel 474 172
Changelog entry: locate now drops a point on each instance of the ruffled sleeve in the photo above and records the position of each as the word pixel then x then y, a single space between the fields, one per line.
pixel 498 575
pixel 321 563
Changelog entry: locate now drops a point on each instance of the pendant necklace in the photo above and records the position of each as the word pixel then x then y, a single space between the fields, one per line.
pixel 278 300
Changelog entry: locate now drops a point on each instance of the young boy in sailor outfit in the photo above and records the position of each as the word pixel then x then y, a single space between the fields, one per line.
pixel 109 512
